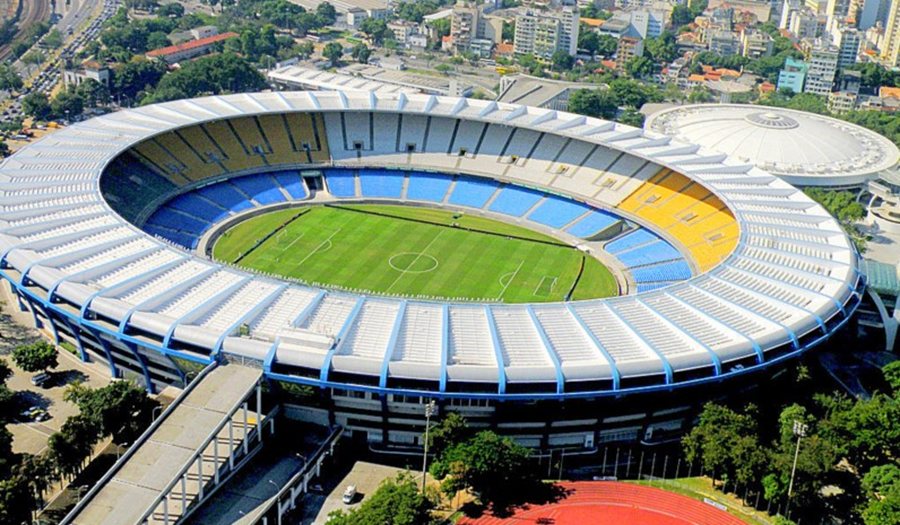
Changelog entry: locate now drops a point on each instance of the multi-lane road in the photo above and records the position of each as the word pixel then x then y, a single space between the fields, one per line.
pixel 33 11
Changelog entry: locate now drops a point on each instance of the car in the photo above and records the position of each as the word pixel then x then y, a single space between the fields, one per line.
pixel 349 495
pixel 40 379
pixel 41 415
pixel 28 414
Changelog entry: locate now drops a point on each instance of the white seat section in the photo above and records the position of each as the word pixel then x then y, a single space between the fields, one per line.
pixel 237 305
pixel 470 337
pixel 571 159
pixel 357 129
pixel 281 313
pixel 630 172
pixel 581 180
pixel 141 266
pixel 569 340
pixel 520 145
pixel 520 342
pixel 686 319
pixel 335 136
pixel 371 331
pixel 87 241
pixel 329 315
pixel 421 334
pixel 664 338
pixel 440 135
pixel 541 158
pixel 385 134
pixel 166 280
pixel 621 344
pixel 109 255
pixel 199 293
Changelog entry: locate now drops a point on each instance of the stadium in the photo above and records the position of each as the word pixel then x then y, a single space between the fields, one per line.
pixel 158 239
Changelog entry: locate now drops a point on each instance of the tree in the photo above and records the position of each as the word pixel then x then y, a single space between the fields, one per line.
pixel 215 74
pixel 444 68
pixel 662 48
pixel 36 357
pixel 376 30
pixel 134 77
pixel 452 430
pixel 121 409
pixel 68 104
pixel 53 39
pixel 333 51
pixel 16 500
pixel 73 443
pixel 326 13
pixel 639 67
pixel 883 512
pixel 633 94
pixel 891 373
pixel 631 117
pixel 305 49
pixel 562 61
pixel 361 53
pixel 866 430
pixel 598 103
pixel 396 502
pixel 173 10
pixel 10 80
pixel 508 33
pixel 495 467
pixel 715 439
pixel 882 480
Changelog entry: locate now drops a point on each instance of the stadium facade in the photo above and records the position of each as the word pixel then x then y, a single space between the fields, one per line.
pixel 98 222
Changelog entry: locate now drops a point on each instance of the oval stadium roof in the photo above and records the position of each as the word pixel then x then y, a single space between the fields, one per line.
pixel 802 148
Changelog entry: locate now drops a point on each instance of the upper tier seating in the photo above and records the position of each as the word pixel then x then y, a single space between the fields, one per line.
pixel 130 186
pixel 689 212
pixel 428 186
pixel 515 201
pixel 472 192
pixel 381 183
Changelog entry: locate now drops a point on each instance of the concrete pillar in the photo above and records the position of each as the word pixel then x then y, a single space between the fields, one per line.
pixel 200 476
pixel 246 436
pixel 183 493
pixel 259 411
pixel 166 509
pixel 230 444
pixel 216 454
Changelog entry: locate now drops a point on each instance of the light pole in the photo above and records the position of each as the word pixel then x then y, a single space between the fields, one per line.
pixel 430 409
pixel 153 414
pixel 800 429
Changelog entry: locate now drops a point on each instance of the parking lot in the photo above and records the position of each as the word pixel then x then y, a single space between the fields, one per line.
pixel 31 436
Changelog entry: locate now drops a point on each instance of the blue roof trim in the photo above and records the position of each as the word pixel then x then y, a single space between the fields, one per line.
pixel 665 362
pixel 716 362
pixel 270 356
pixel 155 272
pixel 115 263
pixel 123 324
pixel 392 342
pixel 498 353
pixel 247 315
pixel 329 356
pixel 140 359
pixel 617 377
pixel 790 332
pixel 560 378
pixel 445 346
pixel 215 299
pixel 759 353
pixel 81 352
pixel 309 309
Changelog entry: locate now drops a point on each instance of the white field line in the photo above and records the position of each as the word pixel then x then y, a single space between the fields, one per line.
pixel 403 272
pixel 328 240
pixel 505 286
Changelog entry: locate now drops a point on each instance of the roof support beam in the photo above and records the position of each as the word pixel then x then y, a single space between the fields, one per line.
pixel 551 352
pixel 498 353
pixel 392 343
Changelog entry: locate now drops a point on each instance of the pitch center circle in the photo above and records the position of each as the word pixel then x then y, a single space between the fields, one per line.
pixel 411 262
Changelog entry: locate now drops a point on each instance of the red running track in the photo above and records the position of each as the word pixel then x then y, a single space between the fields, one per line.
pixel 612 503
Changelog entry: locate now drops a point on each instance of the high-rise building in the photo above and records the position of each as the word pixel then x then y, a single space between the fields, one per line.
pixel 870 12
pixel 847 40
pixel 793 76
pixel 756 44
pixel 627 49
pixel 891 47
pixel 649 23
pixel 467 23
pixel 839 10
pixel 544 33
pixel 823 65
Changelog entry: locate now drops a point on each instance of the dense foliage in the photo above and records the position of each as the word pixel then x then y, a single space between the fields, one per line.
pixel 396 502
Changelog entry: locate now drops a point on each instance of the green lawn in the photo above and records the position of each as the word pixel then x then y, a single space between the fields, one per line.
pixel 397 256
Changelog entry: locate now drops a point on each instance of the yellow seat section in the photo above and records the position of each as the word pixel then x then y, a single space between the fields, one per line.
pixel 275 130
pixel 204 146
pixel 308 132
pixel 161 161
pixel 236 158
pixel 689 212
pixel 196 168
pixel 249 134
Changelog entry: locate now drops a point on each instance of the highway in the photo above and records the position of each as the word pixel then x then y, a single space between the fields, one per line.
pixel 32 11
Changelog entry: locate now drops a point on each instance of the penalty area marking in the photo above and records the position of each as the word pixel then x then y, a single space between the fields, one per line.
pixel 538 288
pixel 509 281
pixel 319 247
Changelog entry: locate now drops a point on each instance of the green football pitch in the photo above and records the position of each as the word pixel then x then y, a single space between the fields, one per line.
pixel 413 251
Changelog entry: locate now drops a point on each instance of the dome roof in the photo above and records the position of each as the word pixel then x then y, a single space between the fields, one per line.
pixel 803 148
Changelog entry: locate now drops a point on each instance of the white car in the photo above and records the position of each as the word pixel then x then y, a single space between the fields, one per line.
pixel 349 495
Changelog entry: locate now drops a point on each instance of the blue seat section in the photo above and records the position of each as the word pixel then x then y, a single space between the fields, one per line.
pixel 427 186
pixel 515 201
pixel 556 212
pixel 226 196
pixel 651 286
pixel 655 252
pixel 262 188
pixel 593 224
pixel 340 183
pixel 292 183
pixel 178 221
pixel 473 192
pixel 381 183
pixel 670 271
pixel 184 239
pixel 192 204
pixel 630 240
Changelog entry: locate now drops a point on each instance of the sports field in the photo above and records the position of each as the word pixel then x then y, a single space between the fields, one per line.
pixel 413 251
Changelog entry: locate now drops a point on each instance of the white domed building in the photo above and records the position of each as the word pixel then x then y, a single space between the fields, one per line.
pixel 801 148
